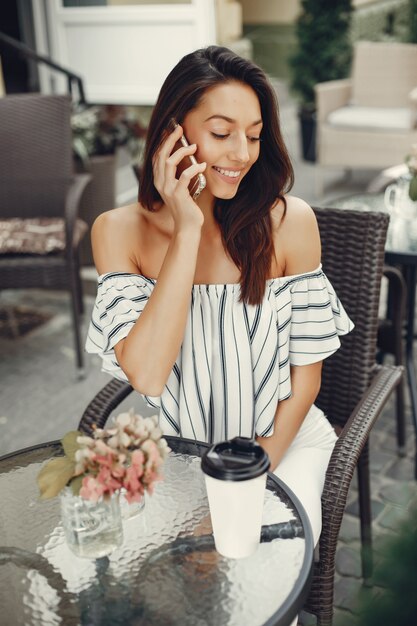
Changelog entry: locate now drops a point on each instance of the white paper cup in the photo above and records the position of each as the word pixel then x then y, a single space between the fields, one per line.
pixel 235 475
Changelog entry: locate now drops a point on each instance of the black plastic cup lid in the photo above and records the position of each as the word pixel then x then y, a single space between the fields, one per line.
pixel 237 459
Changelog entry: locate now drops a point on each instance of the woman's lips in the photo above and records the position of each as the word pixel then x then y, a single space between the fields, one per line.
pixel 230 180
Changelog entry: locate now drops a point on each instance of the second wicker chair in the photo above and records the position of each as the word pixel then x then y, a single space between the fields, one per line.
pixel 37 183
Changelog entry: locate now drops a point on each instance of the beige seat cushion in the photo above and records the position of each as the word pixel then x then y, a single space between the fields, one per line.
pixel 36 236
pixel 372 118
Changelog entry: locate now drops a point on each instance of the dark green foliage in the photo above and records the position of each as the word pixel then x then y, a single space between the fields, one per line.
pixel 413 21
pixel 397 572
pixel 324 47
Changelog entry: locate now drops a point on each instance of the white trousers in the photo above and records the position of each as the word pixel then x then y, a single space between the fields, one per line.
pixel 303 467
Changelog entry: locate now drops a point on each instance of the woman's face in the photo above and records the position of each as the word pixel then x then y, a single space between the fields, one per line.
pixel 226 127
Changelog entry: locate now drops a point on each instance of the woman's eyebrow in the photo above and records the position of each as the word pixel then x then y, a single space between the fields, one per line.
pixel 230 120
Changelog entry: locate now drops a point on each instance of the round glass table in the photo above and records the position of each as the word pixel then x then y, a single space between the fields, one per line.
pixel 167 571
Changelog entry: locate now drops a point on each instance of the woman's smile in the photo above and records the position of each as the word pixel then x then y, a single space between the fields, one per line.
pixel 229 176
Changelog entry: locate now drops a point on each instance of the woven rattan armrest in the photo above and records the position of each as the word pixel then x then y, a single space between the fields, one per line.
pixel 72 202
pixel 99 409
pixel 339 474
pixel 353 438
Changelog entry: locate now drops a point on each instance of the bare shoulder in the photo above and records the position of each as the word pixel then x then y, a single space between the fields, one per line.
pixel 299 214
pixel 121 219
pixel 114 239
pixel 299 238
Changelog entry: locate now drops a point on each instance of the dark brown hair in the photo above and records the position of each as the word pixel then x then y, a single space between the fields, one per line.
pixel 245 220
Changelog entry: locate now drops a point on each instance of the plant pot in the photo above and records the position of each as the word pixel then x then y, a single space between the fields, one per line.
pixel 308 125
pixel 92 529
pixel 99 196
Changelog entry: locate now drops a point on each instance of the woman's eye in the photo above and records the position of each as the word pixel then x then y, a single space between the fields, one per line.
pixel 218 136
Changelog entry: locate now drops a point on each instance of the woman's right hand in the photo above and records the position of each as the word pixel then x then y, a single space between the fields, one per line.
pixel 174 191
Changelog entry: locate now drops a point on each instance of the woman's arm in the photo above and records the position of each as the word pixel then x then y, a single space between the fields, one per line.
pixel 290 414
pixel 148 353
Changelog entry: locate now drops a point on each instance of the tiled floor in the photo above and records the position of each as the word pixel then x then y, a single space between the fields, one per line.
pixel 41 396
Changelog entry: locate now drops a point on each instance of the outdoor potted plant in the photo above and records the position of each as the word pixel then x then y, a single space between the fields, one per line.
pixel 97 134
pixel 412 24
pixel 323 53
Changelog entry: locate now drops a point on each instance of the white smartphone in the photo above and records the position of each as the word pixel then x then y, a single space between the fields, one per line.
pixel 199 183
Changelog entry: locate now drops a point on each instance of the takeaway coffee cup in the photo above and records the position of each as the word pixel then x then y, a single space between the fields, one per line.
pixel 235 474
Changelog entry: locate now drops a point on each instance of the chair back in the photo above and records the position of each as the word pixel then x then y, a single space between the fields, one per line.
pixel 35 155
pixel 383 73
pixel 353 259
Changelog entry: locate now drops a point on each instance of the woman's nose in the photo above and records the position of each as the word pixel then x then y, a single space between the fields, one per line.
pixel 240 150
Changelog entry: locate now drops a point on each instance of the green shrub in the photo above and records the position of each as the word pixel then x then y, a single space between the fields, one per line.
pixel 413 21
pixel 323 45
pixel 395 602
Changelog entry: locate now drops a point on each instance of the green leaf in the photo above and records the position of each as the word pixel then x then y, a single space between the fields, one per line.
pixel 75 485
pixel 70 445
pixel 54 476
pixel 413 189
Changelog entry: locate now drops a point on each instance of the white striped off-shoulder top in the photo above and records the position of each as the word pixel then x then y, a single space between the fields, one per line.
pixel 234 363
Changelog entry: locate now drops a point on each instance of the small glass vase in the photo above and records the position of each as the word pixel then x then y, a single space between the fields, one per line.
pixel 92 529
pixel 130 510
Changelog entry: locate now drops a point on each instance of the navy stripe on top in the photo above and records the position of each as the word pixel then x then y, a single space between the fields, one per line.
pixel 234 364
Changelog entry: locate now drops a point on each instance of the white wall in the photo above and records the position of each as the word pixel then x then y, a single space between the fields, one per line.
pixel 124 53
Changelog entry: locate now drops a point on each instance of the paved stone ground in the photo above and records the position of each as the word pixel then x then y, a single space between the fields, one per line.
pixel 41 397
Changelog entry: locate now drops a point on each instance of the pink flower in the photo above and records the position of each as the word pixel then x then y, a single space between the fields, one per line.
pixel 91 489
pixel 131 481
pixel 128 455
pixel 150 448
pixel 150 477
pixel 134 497
pixel 108 482
pixel 118 471
pixel 104 460
pixel 138 459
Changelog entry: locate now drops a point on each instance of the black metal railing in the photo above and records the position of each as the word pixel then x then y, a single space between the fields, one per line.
pixel 26 52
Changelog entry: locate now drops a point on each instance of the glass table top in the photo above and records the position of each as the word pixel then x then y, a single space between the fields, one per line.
pixel 402 232
pixel 152 579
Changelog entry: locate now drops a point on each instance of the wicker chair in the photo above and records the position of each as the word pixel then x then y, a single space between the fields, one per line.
pixel 36 181
pixel 354 389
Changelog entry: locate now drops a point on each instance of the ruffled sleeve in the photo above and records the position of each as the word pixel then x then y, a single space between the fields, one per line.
pixel 121 298
pixel 312 317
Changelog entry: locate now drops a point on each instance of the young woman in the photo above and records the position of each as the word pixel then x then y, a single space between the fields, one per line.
pixel 216 309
